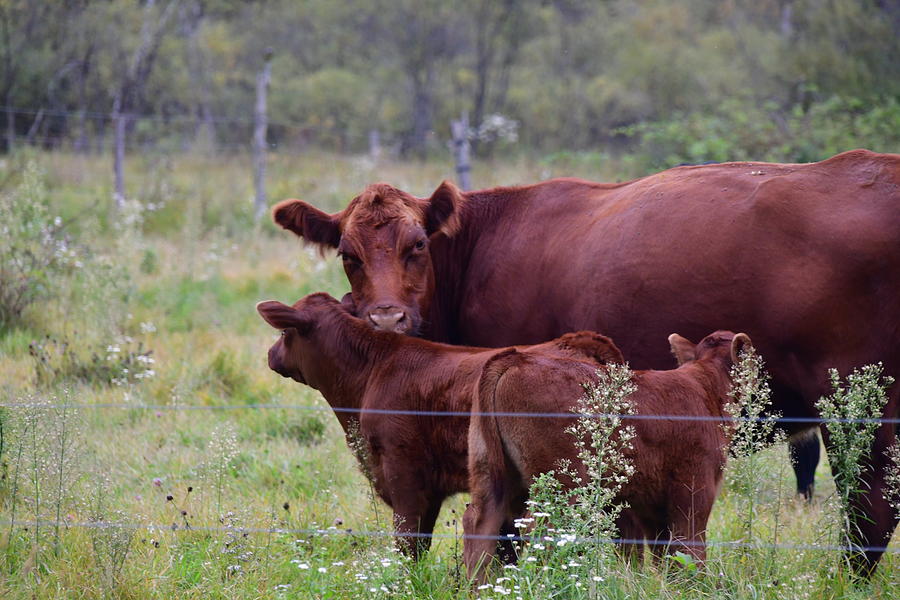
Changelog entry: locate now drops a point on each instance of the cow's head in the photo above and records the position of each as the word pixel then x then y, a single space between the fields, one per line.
pixel 383 238
pixel 294 354
pixel 723 345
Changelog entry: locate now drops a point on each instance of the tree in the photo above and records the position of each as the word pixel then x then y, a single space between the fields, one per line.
pixel 19 22
pixel 131 82
pixel 422 36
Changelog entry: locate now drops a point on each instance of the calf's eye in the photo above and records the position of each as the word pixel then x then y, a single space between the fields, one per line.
pixel 420 245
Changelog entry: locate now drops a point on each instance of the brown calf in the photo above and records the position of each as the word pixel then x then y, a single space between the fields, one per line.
pixel 678 464
pixel 416 460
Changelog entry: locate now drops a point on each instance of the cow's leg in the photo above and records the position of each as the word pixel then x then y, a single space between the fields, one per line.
pixel 632 534
pixel 506 548
pixel 804 452
pixel 483 519
pixel 660 546
pixel 872 519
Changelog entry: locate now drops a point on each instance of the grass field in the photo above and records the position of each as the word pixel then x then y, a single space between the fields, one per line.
pixel 154 305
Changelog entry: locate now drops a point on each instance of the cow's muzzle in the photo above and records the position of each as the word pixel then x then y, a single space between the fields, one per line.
pixel 389 318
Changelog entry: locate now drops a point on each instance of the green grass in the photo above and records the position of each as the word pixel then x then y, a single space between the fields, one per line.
pixel 186 282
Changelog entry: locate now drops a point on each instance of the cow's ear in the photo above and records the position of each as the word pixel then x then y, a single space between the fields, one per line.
pixel 308 222
pixel 683 349
pixel 443 209
pixel 740 343
pixel 281 316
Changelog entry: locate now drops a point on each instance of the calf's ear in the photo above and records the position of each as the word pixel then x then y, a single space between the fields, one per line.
pixel 740 343
pixel 308 222
pixel 683 349
pixel 348 304
pixel 282 316
pixel 443 209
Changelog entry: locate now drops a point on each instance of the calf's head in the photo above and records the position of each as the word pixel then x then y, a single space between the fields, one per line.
pixel 295 354
pixel 383 238
pixel 723 346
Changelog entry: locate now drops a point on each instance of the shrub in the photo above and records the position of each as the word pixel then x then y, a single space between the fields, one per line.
pixel 34 248
pixel 737 130
pixel 125 361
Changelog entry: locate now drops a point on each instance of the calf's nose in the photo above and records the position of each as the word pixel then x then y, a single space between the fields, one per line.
pixel 275 362
pixel 388 318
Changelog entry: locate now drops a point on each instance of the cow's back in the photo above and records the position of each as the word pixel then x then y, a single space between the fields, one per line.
pixel 804 258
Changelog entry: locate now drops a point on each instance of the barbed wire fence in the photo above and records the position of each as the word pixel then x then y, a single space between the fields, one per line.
pixel 336 531
pixel 181 132
pixel 811 421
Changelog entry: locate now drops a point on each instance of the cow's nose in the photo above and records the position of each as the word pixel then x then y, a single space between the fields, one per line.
pixel 388 318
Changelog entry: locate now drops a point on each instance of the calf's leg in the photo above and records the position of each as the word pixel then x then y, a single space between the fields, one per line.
pixel 415 509
pixel 688 515
pixel 483 520
pixel 414 524
pixel 506 549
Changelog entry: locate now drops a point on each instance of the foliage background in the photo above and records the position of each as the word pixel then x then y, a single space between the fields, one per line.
pixel 666 81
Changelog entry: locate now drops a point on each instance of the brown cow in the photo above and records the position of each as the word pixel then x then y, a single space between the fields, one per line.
pixel 678 463
pixel 804 258
pixel 416 460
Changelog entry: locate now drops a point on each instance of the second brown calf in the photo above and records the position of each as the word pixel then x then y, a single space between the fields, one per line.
pixel 678 463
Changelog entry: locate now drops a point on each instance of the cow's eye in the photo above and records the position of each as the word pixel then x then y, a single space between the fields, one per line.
pixel 350 260
pixel 420 245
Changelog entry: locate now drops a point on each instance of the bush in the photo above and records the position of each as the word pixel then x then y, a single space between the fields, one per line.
pixel 125 361
pixel 737 130
pixel 34 249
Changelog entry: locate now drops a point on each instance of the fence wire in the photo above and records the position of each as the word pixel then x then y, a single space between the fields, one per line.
pixel 107 116
pixel 444 413
pixel 564 538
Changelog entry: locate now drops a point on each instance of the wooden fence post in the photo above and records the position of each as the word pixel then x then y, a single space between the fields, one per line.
pixel 260 124
pixel 118 120
pixel 374 144
pixel 459 129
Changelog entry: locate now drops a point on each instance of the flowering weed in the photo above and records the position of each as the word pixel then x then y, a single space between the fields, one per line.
pixel 562 514
pixel 852 409
pixel 751 431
